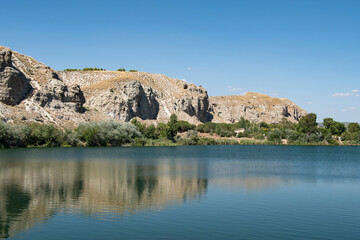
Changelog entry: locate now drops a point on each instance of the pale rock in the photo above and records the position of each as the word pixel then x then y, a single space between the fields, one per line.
pixel 128 100
pixel 14 85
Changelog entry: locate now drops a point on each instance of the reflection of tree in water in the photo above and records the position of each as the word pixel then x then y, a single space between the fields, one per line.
pixel 32 191
pixel 15 203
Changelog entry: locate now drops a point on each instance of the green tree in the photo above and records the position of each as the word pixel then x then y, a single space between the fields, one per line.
pixel 164 131
pixel 274 136
pixel 353 127
pixel 150 132
pixel 308 124
pixel 183 126
pixel 243 123
pixel 138 125
pixel 173 125
pixel 45 135
pixel 336 128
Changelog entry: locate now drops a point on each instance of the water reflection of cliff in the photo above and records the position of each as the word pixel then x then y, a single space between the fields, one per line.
pixel 247 175
pixel 32 191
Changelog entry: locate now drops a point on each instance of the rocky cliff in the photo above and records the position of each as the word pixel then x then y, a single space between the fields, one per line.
pixel 254 107
pixel 32 91
pixel 148 96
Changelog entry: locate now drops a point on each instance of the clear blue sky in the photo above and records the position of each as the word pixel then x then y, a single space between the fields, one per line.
pixel 304 50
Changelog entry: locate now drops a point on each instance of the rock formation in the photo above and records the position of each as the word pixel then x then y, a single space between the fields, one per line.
pixel 14 85
pixel 57 95
pixel 254 107
pixel 35 92
pixel 124 95
pixel 32 91
pixel 126 101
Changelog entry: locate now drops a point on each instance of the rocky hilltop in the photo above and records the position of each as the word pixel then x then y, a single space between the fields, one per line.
pixel 32 91
pixel 255 107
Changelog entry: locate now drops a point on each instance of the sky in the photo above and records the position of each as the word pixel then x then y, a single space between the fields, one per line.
pixel 305 50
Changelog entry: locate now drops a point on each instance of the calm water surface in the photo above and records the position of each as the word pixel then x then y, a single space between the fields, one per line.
pixel 195 192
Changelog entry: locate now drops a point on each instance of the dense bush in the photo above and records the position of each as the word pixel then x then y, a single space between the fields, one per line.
pixel 259 136
pixel 150 132
pixel 334 127
pixel 121 70
pixel 208 127
pixel 85 69
pixel 93 69
pixel 274 136
pixel 45 136
pixel 37 135
pixel 113 133
pixel 183 126
pixel 107 133
pixel 207 141
pixel 352 136
pixel 13 136
pixel 164 131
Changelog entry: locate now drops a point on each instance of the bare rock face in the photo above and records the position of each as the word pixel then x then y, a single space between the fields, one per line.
pixel 14 85
pixel 128 100
pixel 57 95
pixel 254 107
pixel 149 96
pixel 32 91
pixel 36 92
pixel 195 102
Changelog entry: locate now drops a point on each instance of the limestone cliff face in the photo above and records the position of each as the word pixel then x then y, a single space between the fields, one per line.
pixel 126 101
pixel 14 85
pixel 124 95
pixel 58 96
pixel 254 107
pixel 32 91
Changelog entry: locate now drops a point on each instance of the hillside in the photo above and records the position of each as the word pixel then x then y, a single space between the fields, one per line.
pixel 33 92
pixel 254 107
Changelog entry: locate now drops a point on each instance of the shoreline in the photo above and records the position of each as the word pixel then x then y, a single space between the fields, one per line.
pixel 132 145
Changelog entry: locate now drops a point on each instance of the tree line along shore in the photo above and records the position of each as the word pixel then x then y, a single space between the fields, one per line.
pixel 175 132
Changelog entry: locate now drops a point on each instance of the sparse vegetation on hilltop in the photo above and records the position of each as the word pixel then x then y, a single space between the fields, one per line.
pixel 84 69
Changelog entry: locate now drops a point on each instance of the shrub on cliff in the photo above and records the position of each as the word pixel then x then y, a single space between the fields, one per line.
pixel 93 69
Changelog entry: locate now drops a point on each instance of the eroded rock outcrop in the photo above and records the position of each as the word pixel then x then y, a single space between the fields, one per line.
pixel 195 102
pixel 128 100
pixel 144 95
pixel 32 91
pixel 57 95
pixel 35 91
pixel 254 107
pixel 14 85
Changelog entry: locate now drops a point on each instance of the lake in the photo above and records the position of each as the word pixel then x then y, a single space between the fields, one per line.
pixel 188 192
